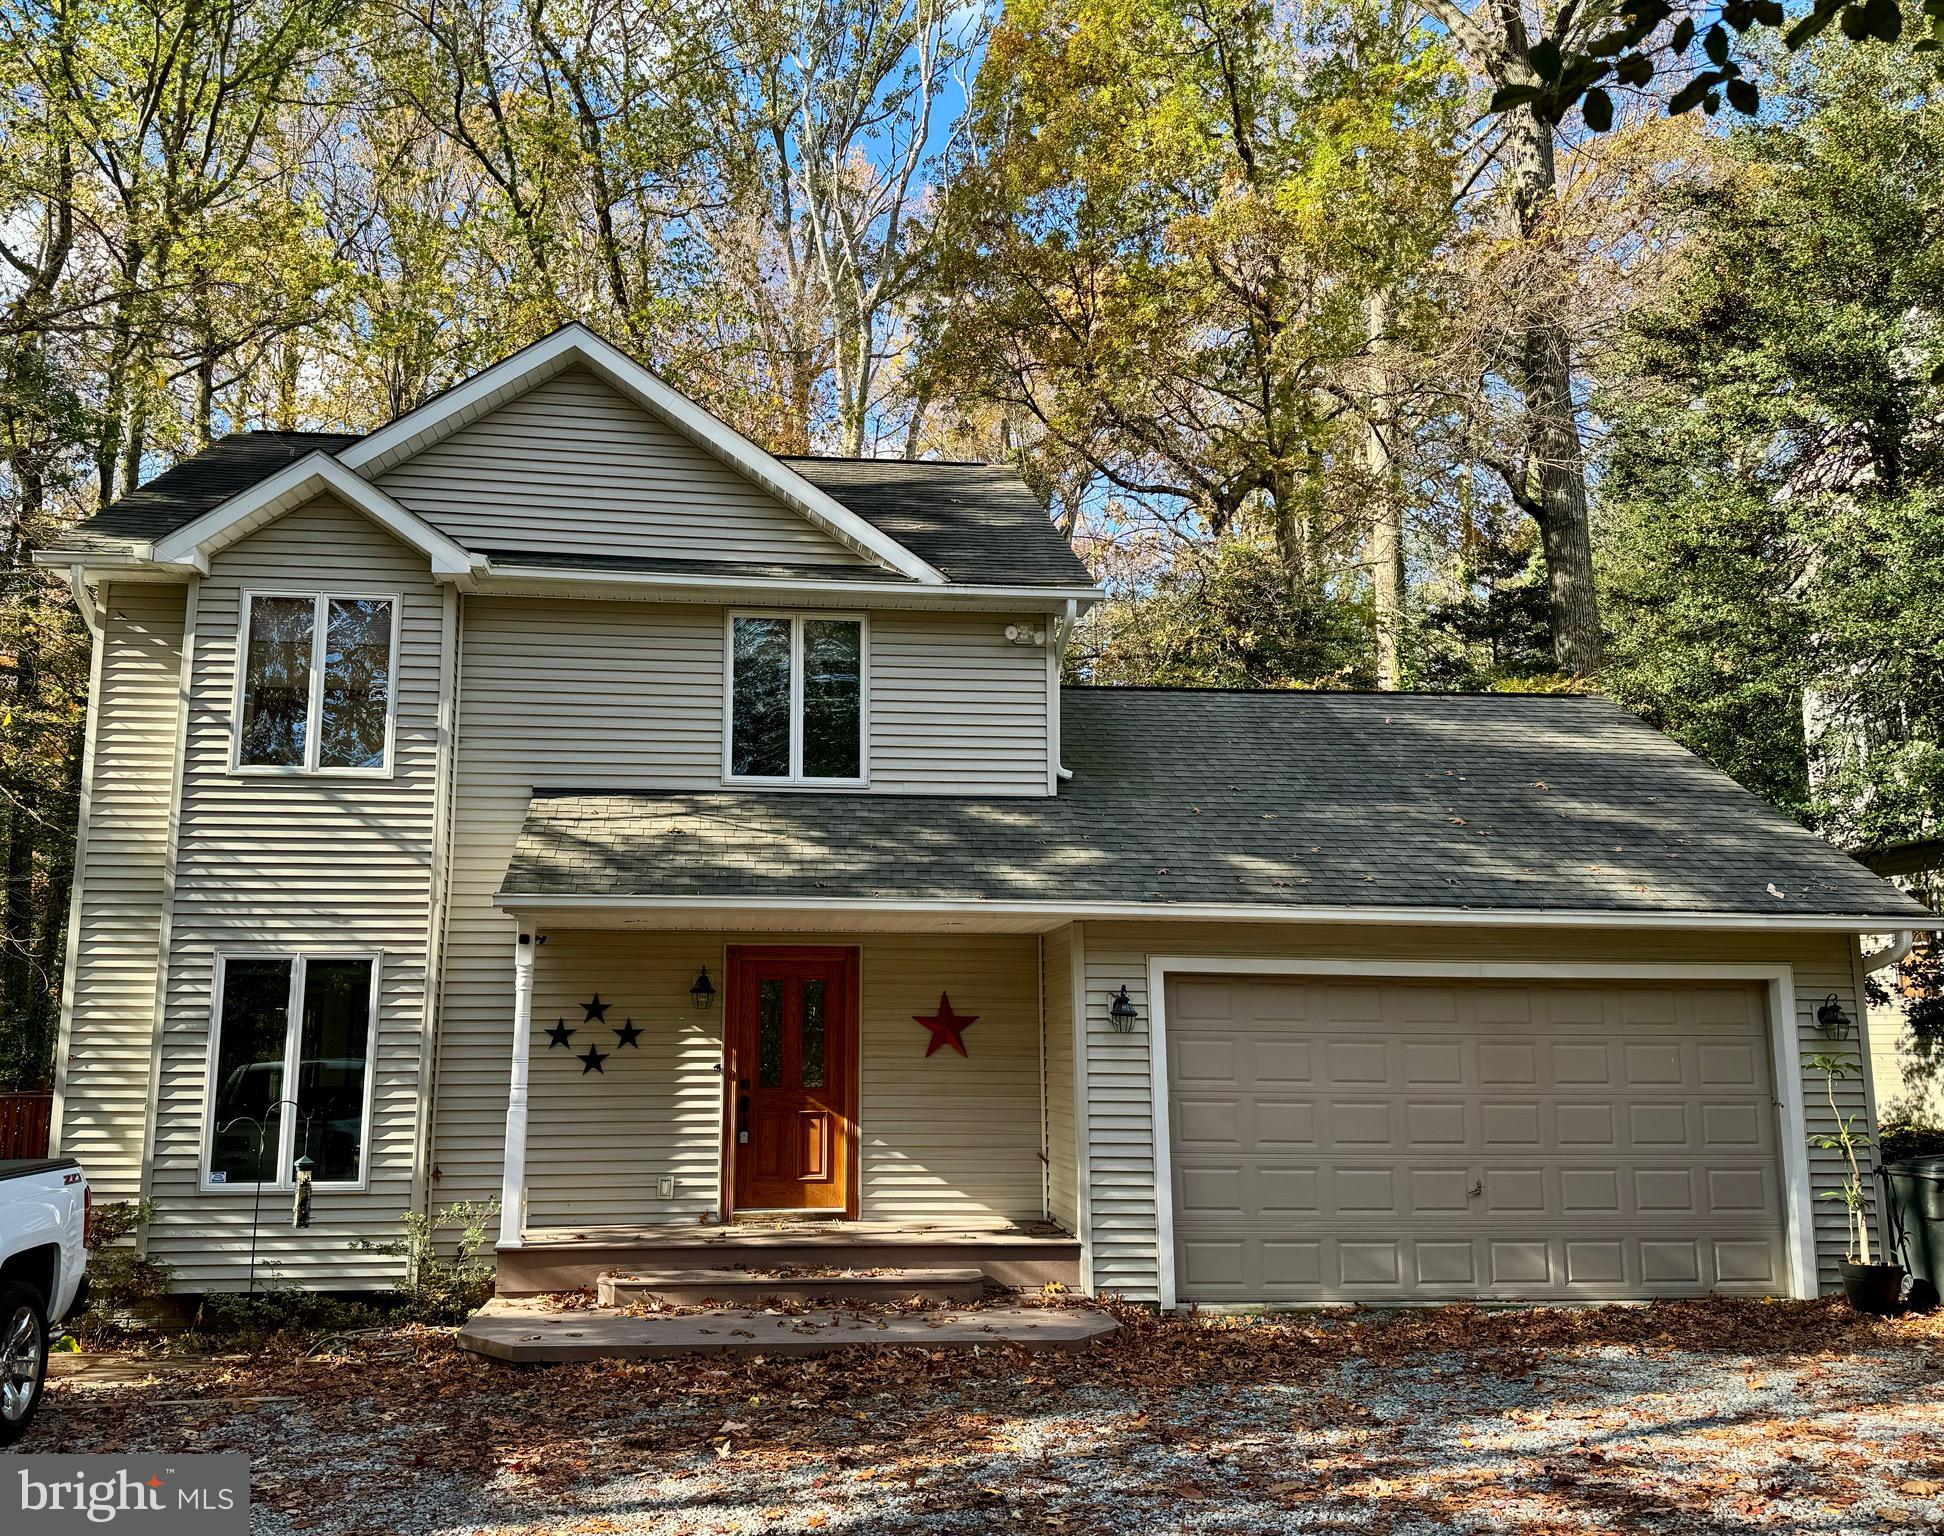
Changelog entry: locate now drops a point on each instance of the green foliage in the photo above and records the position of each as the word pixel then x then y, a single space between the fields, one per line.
pixel 1852 1143
pixel 445 1281
pixel 120 1278
pixel 1774 520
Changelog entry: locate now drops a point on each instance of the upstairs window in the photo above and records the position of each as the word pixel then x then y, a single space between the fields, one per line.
pixel 796 699
pixel 316 685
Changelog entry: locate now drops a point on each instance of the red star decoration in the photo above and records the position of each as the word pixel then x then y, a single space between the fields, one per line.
pixel 946 1026
pixel 156 1482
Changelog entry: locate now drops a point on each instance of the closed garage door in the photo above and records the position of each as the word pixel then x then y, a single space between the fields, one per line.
pixel 1417 1141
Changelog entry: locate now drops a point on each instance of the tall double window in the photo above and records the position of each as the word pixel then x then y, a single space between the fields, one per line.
pixel 317 683
pixel 796 698
pixel 290 1068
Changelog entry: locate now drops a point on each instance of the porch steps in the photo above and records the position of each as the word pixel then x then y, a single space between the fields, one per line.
pixel 521 1331
pixel 752 1287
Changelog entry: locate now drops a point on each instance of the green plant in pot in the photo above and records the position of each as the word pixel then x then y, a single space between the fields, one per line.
pixel 1871 1287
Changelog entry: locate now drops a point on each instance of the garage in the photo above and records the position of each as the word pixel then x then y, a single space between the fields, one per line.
pixel 1385 1140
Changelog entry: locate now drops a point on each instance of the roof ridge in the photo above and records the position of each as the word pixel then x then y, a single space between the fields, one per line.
pixel 1327 693
pixel 859 458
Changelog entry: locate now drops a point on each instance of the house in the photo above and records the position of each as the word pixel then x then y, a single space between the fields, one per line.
pixel 552 798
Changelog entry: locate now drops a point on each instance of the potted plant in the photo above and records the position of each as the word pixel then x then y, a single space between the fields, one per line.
pixel 1871 1287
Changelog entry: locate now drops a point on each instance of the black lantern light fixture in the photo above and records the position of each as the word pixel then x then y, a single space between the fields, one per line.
pixel 1120 1012
pixel 702 994
pixel 1831 1020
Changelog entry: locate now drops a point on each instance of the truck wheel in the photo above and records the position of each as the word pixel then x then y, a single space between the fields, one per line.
pixel 23 1357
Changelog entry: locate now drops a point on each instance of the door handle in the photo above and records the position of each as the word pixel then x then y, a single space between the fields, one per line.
pixel 1477 1189
pixel 742 1115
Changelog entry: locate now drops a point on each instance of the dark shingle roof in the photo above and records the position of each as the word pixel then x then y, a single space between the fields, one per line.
pixel 178 496
pixel 1484 803
pixel 974 523
pixel 652 565
pixel 977 524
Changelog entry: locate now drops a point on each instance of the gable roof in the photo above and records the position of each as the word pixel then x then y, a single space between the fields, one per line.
pixel 184 492
pixel 313 475
pixel 575 344
pixel 1297 804
pixel 954 523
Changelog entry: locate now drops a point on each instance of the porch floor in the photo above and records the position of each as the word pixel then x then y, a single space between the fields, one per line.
pixel 526 1332
pixel 1019 1255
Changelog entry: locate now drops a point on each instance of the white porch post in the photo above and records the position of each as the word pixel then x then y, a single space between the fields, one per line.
pixel 513 1187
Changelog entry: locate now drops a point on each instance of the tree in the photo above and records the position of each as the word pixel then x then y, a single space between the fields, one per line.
pixel 1776 485
pixel 1178 237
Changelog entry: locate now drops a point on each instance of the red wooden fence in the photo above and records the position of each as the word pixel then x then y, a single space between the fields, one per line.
pixel 25 1119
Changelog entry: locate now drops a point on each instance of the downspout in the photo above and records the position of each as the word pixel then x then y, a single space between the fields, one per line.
pixel 78 585
pixel 1902 942
pixel 1061 632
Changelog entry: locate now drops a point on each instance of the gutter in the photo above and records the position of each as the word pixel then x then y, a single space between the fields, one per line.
pixel 1147 912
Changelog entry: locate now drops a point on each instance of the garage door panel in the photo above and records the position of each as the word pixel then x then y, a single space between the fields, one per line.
pixel 1438 1154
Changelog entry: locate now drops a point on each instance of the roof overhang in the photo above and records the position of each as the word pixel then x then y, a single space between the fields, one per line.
pixel 512 579
pixel 576 344
pixel 840 914
pixel 316 474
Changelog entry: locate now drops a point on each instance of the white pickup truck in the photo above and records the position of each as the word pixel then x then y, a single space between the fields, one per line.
pixel 44 1210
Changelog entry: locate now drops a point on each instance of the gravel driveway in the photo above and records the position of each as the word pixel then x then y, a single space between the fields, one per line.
pixel 1717 1417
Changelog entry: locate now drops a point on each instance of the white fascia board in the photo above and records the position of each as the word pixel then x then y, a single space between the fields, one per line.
pixel 576 343
pixel 1059 912
pixel 296 483
pixel 704 587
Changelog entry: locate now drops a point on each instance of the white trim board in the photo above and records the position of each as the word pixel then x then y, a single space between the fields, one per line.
pixel 1054 913
pixel 313 475
pixel 575 343
pixel 1785 1062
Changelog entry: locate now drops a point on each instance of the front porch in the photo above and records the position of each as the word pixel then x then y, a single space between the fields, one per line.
pixel 1021 1256
pixel 816 1127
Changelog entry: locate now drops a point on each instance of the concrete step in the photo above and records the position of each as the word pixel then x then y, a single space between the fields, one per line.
pixel 750 1287
pixel 523 1332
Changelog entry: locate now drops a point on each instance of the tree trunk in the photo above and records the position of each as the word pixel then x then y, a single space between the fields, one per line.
pixel 1386 543
pixel 1552 434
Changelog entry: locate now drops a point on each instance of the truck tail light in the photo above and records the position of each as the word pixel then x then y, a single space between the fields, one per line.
pixel 87 1216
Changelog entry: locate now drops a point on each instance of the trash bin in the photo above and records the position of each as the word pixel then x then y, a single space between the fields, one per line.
pixel 1916 1205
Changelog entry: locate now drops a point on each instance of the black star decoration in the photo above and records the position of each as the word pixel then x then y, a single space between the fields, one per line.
pixel 627 1034
pixel 560 1034
pixel 596 1011
pixel 591 1062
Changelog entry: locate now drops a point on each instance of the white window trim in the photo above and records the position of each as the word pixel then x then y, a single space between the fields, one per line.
pixel 320 610
pixel 1785 1065
pixel 795 779
pixel 299 961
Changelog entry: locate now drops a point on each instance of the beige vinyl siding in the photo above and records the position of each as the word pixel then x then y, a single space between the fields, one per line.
pixel 108 1024
pixel 956 708
pixel 299 862
pixel 609 695
pixel 574 467
pixel 947 1136
pixel 1062 1136
pixel 941 1138
pixel 1121 1161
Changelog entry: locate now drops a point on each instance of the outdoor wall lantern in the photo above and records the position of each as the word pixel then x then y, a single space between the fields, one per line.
pixel 1120 1012
pixel 1831 1019
pixel 702 994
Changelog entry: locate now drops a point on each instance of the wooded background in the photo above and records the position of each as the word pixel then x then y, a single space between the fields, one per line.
pixel 1336 376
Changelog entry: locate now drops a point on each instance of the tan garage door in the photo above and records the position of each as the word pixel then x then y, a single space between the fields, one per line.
pixel 1416 1141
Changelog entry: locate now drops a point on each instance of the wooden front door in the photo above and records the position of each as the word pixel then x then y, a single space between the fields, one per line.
pixel 791 1053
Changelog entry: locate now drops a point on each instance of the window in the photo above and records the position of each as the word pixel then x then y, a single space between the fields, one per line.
pixel 314 692
pixel 290 1068
pixel 796 698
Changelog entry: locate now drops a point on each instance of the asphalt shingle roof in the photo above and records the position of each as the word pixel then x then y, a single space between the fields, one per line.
pixel 179 495
pixel 977 524
pixel 974 523
pixel 1483 803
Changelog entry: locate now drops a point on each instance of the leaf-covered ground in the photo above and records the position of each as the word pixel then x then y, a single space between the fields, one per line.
pixel 1702 1417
